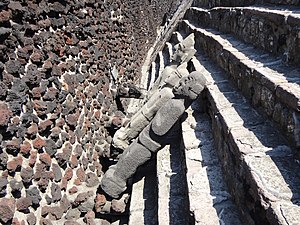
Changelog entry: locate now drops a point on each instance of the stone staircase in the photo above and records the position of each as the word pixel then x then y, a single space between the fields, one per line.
pixel 237 162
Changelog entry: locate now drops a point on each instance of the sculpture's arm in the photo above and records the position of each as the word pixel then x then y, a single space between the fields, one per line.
pixel 167 116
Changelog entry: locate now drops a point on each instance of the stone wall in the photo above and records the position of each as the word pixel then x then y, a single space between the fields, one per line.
pixel 63 64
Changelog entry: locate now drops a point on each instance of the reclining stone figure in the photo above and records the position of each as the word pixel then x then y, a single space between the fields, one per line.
pixel 154 136
pixel 158 95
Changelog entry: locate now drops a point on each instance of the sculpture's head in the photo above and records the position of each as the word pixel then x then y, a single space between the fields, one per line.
pixel 184 50
pixel 175 75
pixel 190 86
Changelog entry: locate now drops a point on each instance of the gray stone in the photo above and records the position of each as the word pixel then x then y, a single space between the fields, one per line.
pixel 55 192
pixel 34 194
pixel 27 174
pixel 3 184
pixel 57 172
pixel 16 186
pixel 73 214
pixel 160 93
pixel 50 147
pixel 91 180
pixel 65 203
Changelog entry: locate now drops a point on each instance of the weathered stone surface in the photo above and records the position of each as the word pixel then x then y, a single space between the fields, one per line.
pixel 55 192
pixel 31 219
pixel 5 114
pixel 73 190
pixel 23 204
pixel 57 172
pixel 65 204
pixel 39 143
pixel 100 201
pixel 5 16
pixel 80 174
pixel 50 147
pixel 45 125
pixel 12 66
pixel 32 158
pixel 16 186
pixel 46 159
pixel 25 148
pixel 34 194
pixel 7 209
pixel 71 222
pixel 73 214
pixel 44 221
pixel 3 184
pixel 118 206
pixel 3 160
pixel 15 164
pixel 91 180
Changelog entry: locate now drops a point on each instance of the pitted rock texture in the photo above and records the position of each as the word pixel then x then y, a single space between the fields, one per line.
pixel 58 105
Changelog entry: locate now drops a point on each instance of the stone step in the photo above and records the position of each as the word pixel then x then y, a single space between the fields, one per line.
pixel 152 75
pixel 283 2
pixel 162 63
pixel 209 199
pixel 217 3
pixel 270 86
pixel 272 28
pixel 257 162
pixel 143 204
pixel 167 53
pixel 172 189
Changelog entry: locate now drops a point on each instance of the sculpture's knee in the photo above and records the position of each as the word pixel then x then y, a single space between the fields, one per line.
pixel 131 159
pixel 111 184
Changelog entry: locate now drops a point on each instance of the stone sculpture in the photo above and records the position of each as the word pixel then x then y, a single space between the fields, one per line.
pixel 155 135
pixel 158 95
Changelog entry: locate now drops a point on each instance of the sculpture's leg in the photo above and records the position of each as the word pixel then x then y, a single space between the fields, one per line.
pixel 115 179
pixel 124 136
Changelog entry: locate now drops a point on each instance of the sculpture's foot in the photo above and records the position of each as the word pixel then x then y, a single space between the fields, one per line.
pixel 112 185
pixel 119 140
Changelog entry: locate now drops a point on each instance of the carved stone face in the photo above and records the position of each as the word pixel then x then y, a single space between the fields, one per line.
pixel 173 78
pixel 183 54
pixel 184 50
pixel 190 86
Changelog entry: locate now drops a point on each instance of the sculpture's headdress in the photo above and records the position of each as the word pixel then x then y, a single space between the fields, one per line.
pixel 184 50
